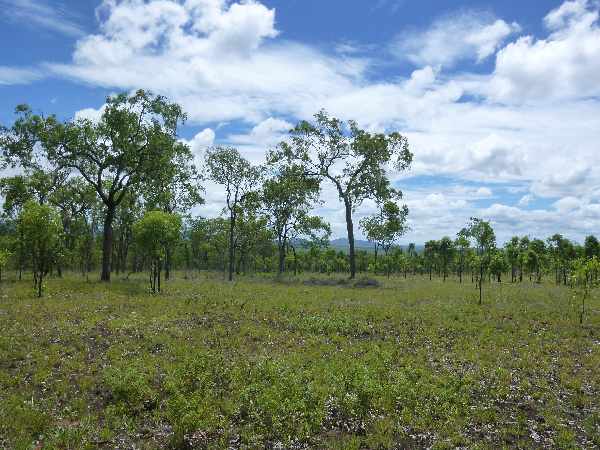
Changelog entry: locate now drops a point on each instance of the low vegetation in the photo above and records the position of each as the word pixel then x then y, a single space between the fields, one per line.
pixel 465 342
pixel 295 363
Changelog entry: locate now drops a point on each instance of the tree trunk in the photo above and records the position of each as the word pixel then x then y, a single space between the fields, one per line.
pixel 39 286
pixel 350 229
pixel 480 283
pixel 295 260
pixel 107 243
pixel 168 258
pixel 159 265
pixel 231 248
pixel 375 263
pixel 281 266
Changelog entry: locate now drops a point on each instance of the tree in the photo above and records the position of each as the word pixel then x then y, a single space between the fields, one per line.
pixel 562 252
pixel 485 240
pixel 430 253
pixel 523 249
pixel 539 248
pixel 498 264
pixel 4 257
pixel 41 229
pixel 175 189
pixel 591 247
pixel 227 167
pixel 208 240
pixel 583 280
pixel 76 200
pixel 446 251
pixel 287 199
pixel 352 159
pixel 462 244
pixel 154 234
pixel 131 143
pixel 512 253
pixel 386 226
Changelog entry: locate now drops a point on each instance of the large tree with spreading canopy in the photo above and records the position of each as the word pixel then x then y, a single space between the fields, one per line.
pixel 355 161
pixel 133 140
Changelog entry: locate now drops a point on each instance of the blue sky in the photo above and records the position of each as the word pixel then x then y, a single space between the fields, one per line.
pixel 500 100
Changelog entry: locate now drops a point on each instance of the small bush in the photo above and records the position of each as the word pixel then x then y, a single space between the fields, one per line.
pixel 130 387
pixel 366 282
pixel 326 282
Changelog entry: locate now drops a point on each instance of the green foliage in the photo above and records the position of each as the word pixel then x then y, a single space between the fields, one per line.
pixel 40 229
pixel 133 143
pixel 5 255
pixel 129 388
pixel 227 167
pixel 584 279
pixel 386 226
pixel 155 234
pixel 353 159
pixel 257 364
pixel 287 198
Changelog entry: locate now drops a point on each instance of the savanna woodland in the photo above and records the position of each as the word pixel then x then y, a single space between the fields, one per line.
pixel 127 321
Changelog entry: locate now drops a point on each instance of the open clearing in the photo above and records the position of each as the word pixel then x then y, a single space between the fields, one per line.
pixel 258 363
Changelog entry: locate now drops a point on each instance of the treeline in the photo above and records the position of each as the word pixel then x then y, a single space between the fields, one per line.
pixel 116 195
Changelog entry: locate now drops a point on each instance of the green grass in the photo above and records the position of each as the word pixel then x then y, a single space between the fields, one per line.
pixel 258 364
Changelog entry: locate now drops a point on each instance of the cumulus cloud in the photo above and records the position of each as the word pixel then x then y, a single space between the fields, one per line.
pixel 201 141
pixel 468 35
pixel 266 133
pixel 209 55
pixel 562 66
pixel 227 61
pixel 91 114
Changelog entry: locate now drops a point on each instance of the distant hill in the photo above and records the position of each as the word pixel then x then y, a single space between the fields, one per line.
pixel 342 244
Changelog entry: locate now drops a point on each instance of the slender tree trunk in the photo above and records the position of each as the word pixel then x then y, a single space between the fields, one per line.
pixel 231 248
pixel 480 283
pixel 159 265
pixel 39 284
pixel 295 260
pixel 21 258
pixel 168 257
pixel 350 229
pixel 375 263
pixel 107 243
pixel 281 266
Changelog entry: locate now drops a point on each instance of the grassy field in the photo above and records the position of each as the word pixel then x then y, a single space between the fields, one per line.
pixel 260 364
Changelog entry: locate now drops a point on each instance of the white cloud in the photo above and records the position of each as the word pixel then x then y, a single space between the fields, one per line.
pixel 483 192
pixel 201 141
pixel 225 61
pixel 266 133
pixel 468 35
pixel 526 200
pixel 41 14
pixel 16 75
pixel 91 114
pixel 564 65
pixel 211 56
pixel 421 79
pixel 568 204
